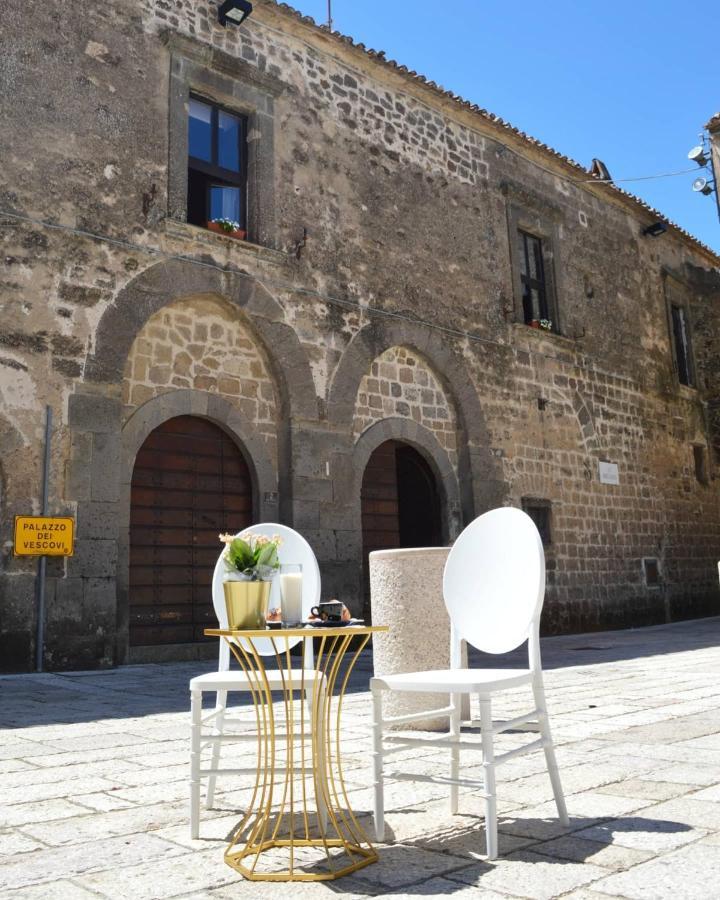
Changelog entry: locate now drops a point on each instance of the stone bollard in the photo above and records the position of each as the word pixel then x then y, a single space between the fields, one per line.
pixel 406 594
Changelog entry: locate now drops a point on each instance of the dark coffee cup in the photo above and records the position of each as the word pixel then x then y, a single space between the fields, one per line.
pixel 328 611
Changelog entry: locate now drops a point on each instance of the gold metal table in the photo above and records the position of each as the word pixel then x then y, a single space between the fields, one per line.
pixel 281 837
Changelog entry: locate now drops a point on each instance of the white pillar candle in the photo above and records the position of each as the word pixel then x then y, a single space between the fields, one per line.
pixel 291 596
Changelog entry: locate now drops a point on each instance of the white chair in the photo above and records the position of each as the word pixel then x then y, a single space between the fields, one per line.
pixel 494 586
pixel 294 549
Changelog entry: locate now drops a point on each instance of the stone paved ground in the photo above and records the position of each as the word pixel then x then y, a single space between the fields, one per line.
pixel 93 784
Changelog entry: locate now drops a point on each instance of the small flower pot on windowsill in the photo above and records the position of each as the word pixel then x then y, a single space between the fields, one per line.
pixel 238 233
pixel 541 324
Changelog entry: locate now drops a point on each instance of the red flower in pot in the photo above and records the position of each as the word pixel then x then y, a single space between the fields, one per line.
pixel 228 228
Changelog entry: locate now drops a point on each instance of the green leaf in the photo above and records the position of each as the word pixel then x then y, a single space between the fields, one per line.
pixel 268 556
pixel 241 554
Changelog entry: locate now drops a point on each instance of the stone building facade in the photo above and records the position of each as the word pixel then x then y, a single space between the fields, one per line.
pixel 363 367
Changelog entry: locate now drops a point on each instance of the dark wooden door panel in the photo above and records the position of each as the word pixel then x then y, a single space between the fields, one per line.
pixel 190 482
pixel 399 504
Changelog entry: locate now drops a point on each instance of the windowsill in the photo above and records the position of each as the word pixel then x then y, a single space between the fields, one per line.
pixel 687 391
pixel 196 233
pixel 521 328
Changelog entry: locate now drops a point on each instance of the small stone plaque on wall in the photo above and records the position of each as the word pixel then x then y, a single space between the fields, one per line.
pixel 608 473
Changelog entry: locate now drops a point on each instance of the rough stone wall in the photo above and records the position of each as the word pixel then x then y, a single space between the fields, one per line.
pixel 400 383
pixel 197 344
pixel 389 229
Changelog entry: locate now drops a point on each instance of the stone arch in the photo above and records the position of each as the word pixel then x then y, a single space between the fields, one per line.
pixel 479 475
pixel 402 383
pixel 586 423
pixel 139 426
pixel 427 444
pixel 201 343
pixel 166 282
pixel 576 407
pixel 175 279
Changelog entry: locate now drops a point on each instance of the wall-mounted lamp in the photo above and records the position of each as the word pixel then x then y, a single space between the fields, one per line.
pixel 697 155
pixel 656 229
pixel 702 186
pixel 234 11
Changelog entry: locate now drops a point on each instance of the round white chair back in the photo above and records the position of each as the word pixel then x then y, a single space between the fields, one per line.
pixel 294 549
pixel 494 580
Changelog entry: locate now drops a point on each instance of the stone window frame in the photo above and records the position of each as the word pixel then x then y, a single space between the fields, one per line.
pixel 538 503
pixel 652 572
pixel 540 218
pixel 701 464
pixel 677 293
pixel 204 71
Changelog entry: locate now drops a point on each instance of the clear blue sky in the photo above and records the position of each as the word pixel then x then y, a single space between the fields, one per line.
pixel 631 82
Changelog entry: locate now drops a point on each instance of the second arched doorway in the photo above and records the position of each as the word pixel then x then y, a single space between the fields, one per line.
pixel 400 504
pixel 189 483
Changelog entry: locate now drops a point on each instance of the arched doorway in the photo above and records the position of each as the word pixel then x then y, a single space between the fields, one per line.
pixel 400 504
pixel 190 482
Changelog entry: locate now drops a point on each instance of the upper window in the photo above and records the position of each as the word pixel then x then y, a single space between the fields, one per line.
pixel 536 309
pixel 217 165
pixel 681 344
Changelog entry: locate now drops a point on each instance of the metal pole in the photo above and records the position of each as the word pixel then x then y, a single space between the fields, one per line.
pixel 42 562
pixel 330 21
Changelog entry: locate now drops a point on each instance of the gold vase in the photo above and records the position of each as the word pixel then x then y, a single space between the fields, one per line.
pixel 246 604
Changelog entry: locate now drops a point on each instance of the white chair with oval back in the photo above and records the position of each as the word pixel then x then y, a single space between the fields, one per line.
pixel 494 587
pixel 294 549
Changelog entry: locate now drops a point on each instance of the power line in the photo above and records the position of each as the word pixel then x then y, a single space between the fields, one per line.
pixel 638 178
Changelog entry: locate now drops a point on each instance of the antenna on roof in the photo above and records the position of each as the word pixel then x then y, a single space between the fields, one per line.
pixel 600 170
pixel 329 21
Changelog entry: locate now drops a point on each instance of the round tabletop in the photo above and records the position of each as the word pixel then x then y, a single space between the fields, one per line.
pixel 303 632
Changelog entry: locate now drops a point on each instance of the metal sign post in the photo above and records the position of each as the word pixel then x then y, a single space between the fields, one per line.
pixel 42 562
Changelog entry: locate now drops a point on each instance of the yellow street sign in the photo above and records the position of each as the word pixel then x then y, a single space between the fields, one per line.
pixel 44 535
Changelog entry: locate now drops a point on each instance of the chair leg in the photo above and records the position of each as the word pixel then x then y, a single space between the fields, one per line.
pixel 220 707
pixel 549 748
pixel 488 752
pixel 379 808
pixel 455 716
pixel 195 726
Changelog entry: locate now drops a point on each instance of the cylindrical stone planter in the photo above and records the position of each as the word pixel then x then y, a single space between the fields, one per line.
pixel 406 594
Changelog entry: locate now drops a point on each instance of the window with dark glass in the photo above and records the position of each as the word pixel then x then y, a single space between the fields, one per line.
pixel 681 344
pixel 216 164
pixel 539 512
pixel 532 279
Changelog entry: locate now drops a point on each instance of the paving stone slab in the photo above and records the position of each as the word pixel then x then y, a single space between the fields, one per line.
pixel 403 865
pixel 53 890
pixel 81 829
pixel 45 811
pixel 690 873
pixel 178 875
pixel 49 865
pixel 644 790
pixel 12 843
pixel 575 849
pixel 527 874
pixel 653 834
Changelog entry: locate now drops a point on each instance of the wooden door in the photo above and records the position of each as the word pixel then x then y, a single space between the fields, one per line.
pixel 400 505
pixel 190 482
